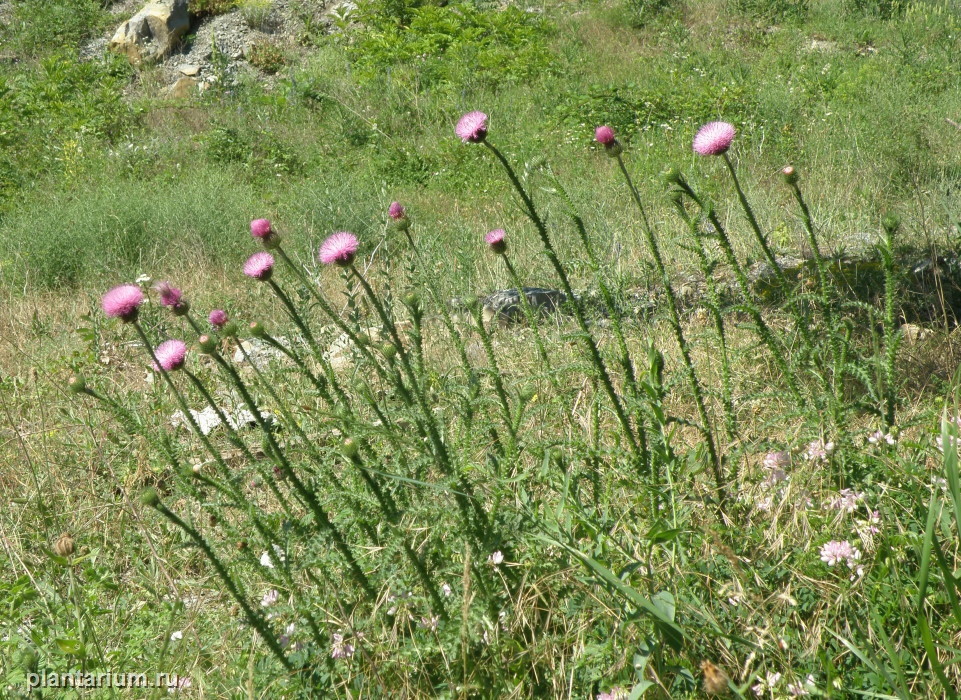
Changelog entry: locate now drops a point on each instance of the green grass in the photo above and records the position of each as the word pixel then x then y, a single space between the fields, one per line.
pixel 607 566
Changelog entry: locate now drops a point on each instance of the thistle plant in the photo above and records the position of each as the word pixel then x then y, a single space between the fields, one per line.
pixel 339 512
pixel 472 128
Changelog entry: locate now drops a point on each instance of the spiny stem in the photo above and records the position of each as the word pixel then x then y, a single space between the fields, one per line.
pixel 638 441
pixel 675 320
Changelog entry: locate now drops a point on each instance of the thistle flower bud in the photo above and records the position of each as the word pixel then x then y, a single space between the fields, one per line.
pixel 64 547
pixel 29 659
pixel 672 175
pixel 412 300
pixel 350 448
pixel 257 330
pixel 76 384
pixel 389 350
pixel 790 175
pixel 891 223
pixel 229 330
pixel 150 497
pixel 527 393
pixel 207 344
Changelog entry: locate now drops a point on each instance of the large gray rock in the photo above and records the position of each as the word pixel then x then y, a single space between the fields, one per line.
pixel 152 33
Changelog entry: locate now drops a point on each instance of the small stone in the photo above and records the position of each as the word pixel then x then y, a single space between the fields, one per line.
pixel 189 69
pixel 183 88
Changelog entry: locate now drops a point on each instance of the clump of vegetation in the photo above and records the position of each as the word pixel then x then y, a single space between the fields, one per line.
pixel 724 464
pixel 257 13
pixel 202 8
pixel 268 56
pixel 440 44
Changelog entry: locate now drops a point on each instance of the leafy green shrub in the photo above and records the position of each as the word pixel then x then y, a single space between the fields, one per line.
pixel 51 111
pixel 771 10
pixel 39 26
pixel 457 40
pixel 256 13
pixel 268 56
pixel 203 8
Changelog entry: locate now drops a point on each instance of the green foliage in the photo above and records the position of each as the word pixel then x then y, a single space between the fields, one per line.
pixel 444 44
pixel 52 112
pixel 213 7
pixel 771 10
pixel 268 56
pixel 39 26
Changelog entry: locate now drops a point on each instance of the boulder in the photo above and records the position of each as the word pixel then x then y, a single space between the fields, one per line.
pixel 152 33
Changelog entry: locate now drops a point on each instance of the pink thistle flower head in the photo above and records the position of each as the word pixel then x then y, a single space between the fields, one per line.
pixel 472 127
pixel 122 302
pixel 495 239
pixel 714 138
pixel 171 297
pixel 260 266
pixel 339 249
pixel 218 318
pixel 604 135
pixel 396 211
pixel 171 355
pixel 260 228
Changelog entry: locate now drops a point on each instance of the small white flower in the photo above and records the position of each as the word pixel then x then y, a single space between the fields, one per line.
pixel 497 558
pixel 177 636
pixel 446 590
pixel 265 560
pixel 270 598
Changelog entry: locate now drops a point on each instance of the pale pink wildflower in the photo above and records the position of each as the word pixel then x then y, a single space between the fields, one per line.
pixel 835 552
pixel 339 249
pixel 847 500
pixel 714 138
pixel 177 683
pixel 877 437
pixel 496 559
pixel 617 693
pixel 818 450
pixel 340 649
pixel 472 127
pixel 270 598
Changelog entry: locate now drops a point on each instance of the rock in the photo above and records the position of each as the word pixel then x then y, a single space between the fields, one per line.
pixel 183 88
pixel 506 308
pixel 189 69
pixel 152 33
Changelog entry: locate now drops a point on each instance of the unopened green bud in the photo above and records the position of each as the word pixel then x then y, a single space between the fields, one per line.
pixel 672 175
pixel 350 448
pixel 891 223
pixel 208 344
pixel 29 659
pixel 150 497
pixel 229 330
pixel 790 175
pixel 181 308
pixel 389 350
pixel 412 300
pixel 614 148
pixel 257 330
pixel 527 393
pixel 76 384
